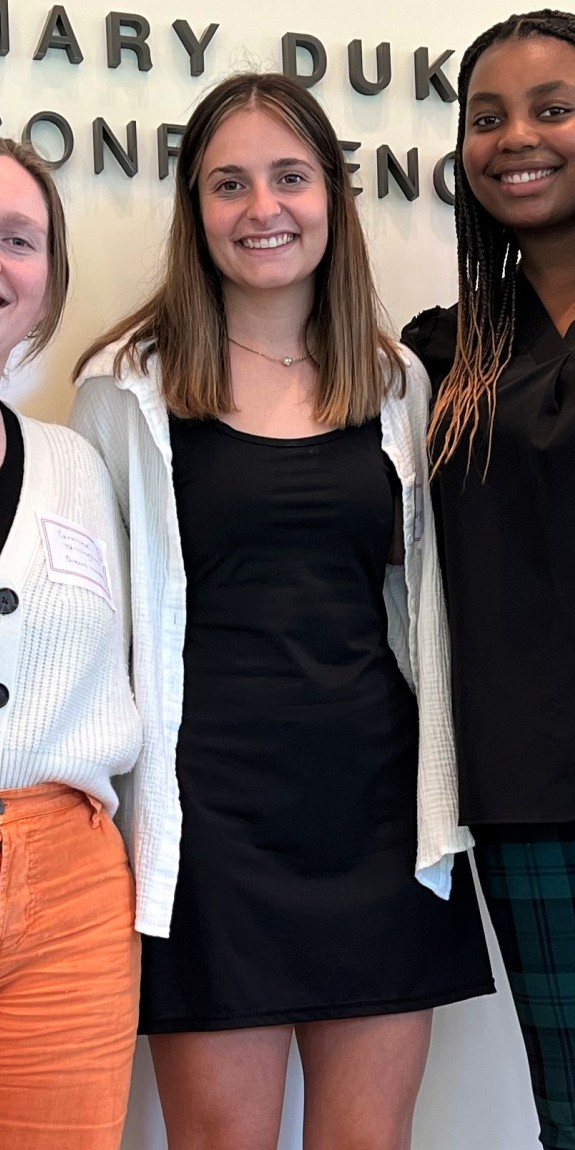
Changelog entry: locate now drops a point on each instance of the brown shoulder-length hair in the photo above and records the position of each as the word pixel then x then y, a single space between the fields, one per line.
pixel 184 321
pixel 58 266
pixel 487 255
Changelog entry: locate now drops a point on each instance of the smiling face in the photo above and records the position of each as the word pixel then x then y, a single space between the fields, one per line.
pixel 519 145
pixel 23 255
pixel 264 204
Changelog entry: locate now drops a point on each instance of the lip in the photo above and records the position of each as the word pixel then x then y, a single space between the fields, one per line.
pixel 520 168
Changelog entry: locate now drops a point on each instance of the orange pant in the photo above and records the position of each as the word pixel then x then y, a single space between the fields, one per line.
pixel 69 972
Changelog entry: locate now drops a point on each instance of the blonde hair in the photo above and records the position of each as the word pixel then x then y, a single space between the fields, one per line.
pixel 184 321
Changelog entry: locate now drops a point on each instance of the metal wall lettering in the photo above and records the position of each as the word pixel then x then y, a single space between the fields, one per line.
pixel 194 47
pixel 58 33
pixel 439 182
pixel 356 74
pixel 4 28
pixel 129 32
pixel 290 44
pixel 64 129
pixel 165 149
pixel 126 157
pixel 117 41
pixel 426 74
pixel 388 164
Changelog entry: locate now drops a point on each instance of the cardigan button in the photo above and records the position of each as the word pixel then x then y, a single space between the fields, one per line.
pixel 4 695
pixel 8 601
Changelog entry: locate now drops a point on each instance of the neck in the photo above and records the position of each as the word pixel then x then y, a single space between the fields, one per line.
pixel 271 321
pixel 548 260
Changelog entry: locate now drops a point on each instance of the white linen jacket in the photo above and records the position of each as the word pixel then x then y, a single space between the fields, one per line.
pixel 126 420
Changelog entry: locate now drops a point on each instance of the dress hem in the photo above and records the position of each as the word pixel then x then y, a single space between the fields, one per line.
pixel 314 1014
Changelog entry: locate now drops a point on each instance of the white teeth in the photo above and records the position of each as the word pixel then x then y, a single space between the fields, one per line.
pixel 269 241
pixel 526 177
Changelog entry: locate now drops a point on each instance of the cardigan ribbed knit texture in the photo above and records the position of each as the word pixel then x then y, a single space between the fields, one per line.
pixel 70 715
pixel 127 422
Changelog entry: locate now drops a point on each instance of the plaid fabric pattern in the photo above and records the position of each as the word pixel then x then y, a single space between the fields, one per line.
pixel 528 879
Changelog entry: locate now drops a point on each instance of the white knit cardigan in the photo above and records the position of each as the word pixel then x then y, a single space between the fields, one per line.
pixel 70 715
pixel 126 420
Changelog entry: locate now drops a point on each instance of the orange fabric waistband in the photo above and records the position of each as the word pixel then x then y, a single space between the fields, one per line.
pixel 44 799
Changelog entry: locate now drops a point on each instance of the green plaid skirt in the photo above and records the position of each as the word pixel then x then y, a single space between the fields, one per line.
pixel 528 878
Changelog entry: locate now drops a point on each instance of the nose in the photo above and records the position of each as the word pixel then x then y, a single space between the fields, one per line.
pixel 263 204
pixel 518 133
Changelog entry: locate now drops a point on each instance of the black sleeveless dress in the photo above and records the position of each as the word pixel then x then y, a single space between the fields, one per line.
pixel 297 754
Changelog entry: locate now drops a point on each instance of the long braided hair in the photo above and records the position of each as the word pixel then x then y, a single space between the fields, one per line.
pixel 487 260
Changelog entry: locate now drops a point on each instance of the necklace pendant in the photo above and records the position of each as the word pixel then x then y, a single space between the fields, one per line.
pixel 287 362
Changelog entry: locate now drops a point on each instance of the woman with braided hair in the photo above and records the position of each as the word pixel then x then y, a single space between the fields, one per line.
pixel 502 441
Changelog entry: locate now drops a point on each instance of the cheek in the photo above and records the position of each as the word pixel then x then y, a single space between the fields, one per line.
pixel 467 160
pixel 473 164
pixel 216 230
pixel 322 221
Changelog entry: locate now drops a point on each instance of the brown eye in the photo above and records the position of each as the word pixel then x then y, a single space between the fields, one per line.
pixel 487 121
pixel 555 112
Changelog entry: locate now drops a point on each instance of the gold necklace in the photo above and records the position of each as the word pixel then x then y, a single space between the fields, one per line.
pixel 286 360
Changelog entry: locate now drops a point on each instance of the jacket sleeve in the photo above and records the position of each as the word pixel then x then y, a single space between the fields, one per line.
pixel 99 415
pixel 440 835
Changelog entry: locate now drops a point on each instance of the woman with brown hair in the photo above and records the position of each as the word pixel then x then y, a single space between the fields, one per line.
pixel 69 955
pixel 503 447
pixel 243 411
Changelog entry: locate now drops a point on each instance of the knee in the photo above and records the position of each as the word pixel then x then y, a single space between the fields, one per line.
pixel 221 1134
pixel 392 1137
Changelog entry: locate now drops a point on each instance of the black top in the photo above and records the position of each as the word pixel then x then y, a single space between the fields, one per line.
pixel 508 558
pixel 285 561
pixel 11 472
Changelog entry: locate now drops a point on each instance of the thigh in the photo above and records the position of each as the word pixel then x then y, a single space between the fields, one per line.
pixel 362 1077
pixel 69 974
pixel 222 1090
pixel 528 879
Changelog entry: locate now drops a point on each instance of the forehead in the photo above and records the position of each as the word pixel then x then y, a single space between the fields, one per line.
pixel 523 64
pixel 20 194
pixel 253 134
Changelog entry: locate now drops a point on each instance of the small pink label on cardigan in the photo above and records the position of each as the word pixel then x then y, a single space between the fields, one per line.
pixel 74 557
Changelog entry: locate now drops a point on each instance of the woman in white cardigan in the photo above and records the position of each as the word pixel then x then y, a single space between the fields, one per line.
pixel 69 953
pixel 266 442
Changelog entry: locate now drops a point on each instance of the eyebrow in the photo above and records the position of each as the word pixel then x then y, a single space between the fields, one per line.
pixel 546 89
pixel 277 165
pixel 21 220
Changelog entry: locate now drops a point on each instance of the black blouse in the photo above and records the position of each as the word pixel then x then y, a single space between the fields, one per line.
pixel 508 558
pixel 11 472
